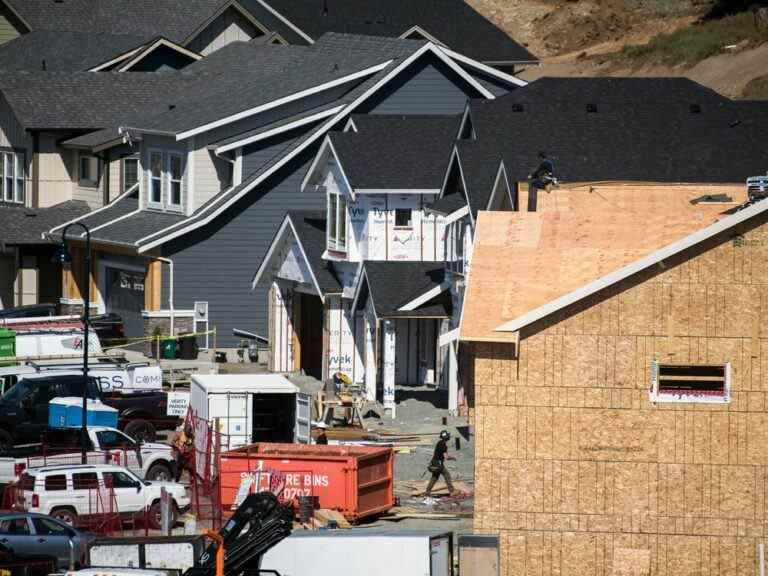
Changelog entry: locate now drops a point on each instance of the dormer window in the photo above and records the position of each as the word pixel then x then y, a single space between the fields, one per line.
pixel 337 222
pixel 12 177
pixel 175 173
pixel 155 178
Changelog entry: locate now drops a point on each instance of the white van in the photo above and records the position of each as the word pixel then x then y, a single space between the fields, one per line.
pixel 70 492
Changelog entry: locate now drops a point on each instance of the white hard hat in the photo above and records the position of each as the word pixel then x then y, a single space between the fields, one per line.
pixel 321 425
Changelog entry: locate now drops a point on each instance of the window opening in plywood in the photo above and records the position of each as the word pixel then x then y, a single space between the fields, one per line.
pixel 709 383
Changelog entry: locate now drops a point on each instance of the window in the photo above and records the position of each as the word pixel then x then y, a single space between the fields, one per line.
pixel 337 222
pixel 15 526
pixel 89 171
pixel 403 218
pixel 85 481
pixel 130 173
pixel 119 480
pixel 12 177
pixel 56 482
pixel 19 174
pixel 156 177
pixel 704 383
pixel 27 482
pixel 174 179
pixel 49 527
pixel 114 439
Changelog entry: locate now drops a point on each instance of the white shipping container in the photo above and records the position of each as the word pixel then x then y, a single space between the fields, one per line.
pixel 352 553
pixel 252 407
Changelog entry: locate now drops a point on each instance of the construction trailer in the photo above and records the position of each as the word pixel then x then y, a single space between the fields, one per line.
pixel 620 407
pixel 355 552
pixel 252 408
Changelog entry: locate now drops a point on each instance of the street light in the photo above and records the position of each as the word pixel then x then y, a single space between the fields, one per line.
pixel 63 257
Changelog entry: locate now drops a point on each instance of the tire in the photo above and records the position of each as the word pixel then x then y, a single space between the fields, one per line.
pixel 6 441
pixel 155 521
pixel 141 430
pixel 66 515
pixel 159 472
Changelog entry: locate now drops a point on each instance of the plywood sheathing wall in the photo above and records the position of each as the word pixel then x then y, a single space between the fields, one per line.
pixel 581 474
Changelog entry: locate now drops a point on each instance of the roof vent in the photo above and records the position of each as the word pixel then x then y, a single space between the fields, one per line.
pixel 517 107
pixel 695 108
pixel 171 106
pixel 591 108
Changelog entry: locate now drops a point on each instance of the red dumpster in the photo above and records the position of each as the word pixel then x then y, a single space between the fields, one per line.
pixel 355 480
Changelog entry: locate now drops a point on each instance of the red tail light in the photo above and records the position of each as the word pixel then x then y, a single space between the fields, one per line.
pixel 19 468
pixel 35 500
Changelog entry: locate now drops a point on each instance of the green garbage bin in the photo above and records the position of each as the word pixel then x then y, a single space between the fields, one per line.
pixel 168 347
pixel 7 344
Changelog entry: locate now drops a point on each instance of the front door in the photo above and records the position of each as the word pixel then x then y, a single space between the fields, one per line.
pixel 311 335
pixel 54 538
pixel 125 297
pixel 127 490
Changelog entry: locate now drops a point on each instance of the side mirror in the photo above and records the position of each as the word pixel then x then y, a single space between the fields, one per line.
pixel 138 487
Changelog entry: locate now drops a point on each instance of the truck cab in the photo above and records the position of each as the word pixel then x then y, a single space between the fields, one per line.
pixel 24 407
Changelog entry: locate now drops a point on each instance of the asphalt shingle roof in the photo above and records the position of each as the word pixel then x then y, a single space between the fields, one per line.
pixel 659 129
pixel 64 51
pixel 173 19
pixel 452 22
pixel 22 225
pixel 393 284
pixel 310 226
pixel 396 152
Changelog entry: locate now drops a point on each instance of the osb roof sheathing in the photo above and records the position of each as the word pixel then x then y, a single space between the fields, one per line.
pixel 523 260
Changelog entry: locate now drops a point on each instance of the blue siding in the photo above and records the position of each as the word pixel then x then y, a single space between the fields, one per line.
pixel 217 263
pixel 427 87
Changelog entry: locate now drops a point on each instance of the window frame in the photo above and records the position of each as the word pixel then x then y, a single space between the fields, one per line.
pixel 123 161
pixel 409 225
pixel 657 396
pixel 336 240
pixel 169 156
pixel 151 178
pixel 91 182
pixel 13 176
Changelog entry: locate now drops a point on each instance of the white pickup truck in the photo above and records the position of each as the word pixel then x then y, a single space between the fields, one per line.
pixel 60 446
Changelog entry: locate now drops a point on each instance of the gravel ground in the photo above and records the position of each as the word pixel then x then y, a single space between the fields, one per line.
pixel 421 411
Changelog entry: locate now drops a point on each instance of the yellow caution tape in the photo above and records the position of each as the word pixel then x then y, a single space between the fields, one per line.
pixel 157 338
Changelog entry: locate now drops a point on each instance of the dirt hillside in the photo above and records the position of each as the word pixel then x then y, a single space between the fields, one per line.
pixel 585 37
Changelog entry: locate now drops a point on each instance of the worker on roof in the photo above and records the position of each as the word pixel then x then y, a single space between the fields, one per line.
pixel 437 464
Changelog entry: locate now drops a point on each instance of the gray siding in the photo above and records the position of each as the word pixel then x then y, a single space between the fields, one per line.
pixel 216 263
pixel 428 87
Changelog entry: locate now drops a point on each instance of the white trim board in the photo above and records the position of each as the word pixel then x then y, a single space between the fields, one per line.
pixel 110 205
pixel 277 241
pixel 480 67
pixel 143 53
pixel 224 202
pixel 284 100
pixel 423 33
pixel 499 171
pixel 285 21
pixel 631 269
pixel 117 59
pixel 220 11
pixel 279 130
pixel 426 297
pixel 397 190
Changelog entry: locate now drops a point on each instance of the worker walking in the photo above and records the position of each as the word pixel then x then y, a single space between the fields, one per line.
pixel 437 464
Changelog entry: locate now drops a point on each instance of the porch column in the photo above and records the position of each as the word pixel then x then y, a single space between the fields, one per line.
pixel 388 365
pixel 453 379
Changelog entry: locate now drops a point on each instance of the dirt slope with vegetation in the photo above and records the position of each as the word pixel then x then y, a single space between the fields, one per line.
pixel 720 43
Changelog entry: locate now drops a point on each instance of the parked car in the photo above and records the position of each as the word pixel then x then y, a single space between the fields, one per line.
pixel 24 407
pixel 29 311
pixel 110 329
pixel 73 493
pixel 151 461
pixel 29 534
pixel 35 565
